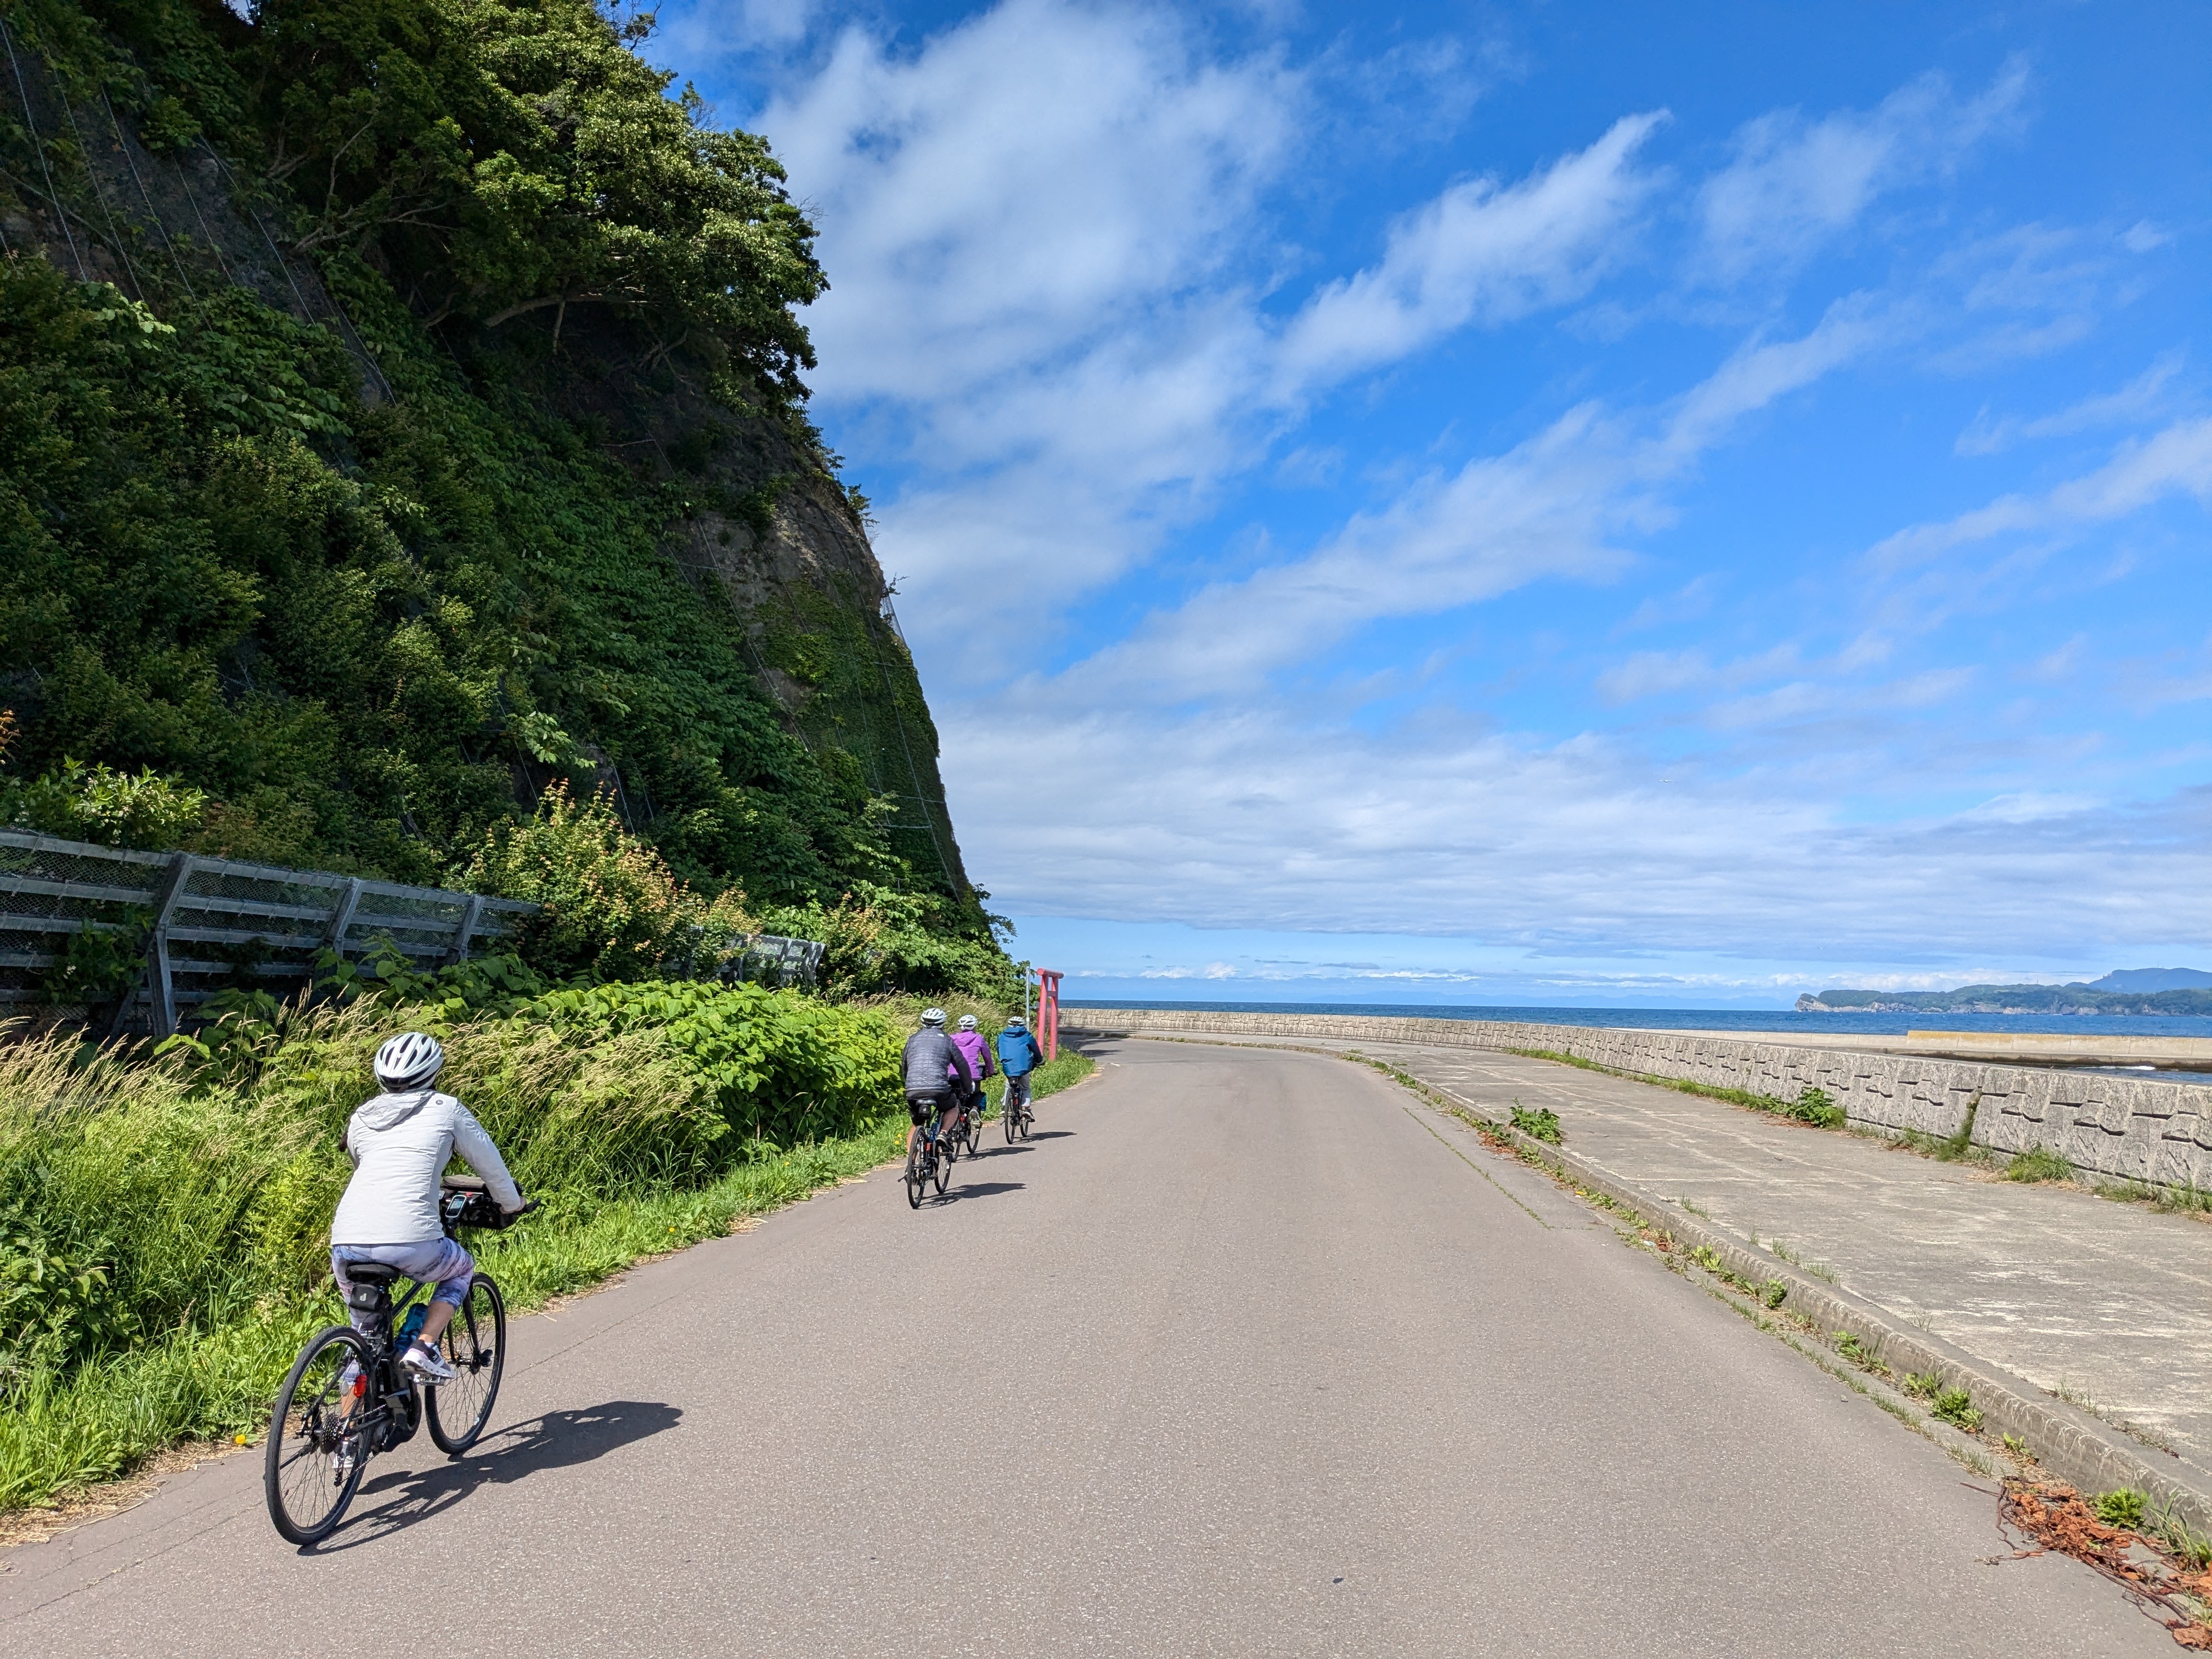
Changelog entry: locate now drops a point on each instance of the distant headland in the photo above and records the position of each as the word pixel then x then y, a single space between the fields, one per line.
pixel 2170 991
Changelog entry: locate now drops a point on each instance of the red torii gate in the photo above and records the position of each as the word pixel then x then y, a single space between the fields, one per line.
pixel 1048 1013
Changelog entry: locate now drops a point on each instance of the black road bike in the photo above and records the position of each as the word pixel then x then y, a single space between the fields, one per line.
pixel 1014 1109
pixel 349 1398
pixel 928 1160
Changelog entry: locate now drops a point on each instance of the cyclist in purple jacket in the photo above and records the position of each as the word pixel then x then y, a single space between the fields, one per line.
pixel 977 1053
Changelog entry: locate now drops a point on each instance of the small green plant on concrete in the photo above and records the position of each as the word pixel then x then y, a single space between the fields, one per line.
pixel 1706 1257
pixel 1538 1123
pixel 2017 1448
pixel 1923 1385
pixel 2122 1508
pixel 1816 1107
pixel 1696 1208
pixel 1849 1346
pixel 1773 1293
pixel 1956 1407
pixel 2039 1163
pixel 1822 1271
pixel 1784 1251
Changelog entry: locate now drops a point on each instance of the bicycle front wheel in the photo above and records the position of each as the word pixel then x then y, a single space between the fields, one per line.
pixel 312 1464
pixel 475 1345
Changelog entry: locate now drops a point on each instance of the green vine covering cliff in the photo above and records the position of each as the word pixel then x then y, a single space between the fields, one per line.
pixel 400 413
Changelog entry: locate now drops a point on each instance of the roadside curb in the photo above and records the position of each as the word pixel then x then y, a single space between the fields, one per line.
pixel 2067 1443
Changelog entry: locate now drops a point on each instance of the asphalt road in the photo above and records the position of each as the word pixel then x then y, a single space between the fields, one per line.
pixel 1247 1353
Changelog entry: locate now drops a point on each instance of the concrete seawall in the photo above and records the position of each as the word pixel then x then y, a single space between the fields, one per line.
pixel 2123 1127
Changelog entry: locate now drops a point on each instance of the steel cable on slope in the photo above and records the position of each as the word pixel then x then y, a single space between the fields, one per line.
pixel 31 125
pixel 114 236
pixel 145 195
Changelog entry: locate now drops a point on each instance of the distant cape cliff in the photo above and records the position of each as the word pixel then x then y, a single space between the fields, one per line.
pixel 2153 991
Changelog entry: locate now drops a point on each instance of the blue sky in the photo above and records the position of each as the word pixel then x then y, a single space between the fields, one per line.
pixel 1574 503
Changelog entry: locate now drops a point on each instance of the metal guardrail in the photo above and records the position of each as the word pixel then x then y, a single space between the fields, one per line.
pixel 258 916
pixel 773 959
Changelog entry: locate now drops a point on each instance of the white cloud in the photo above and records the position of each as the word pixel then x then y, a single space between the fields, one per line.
pixel 1793 185
pixel 1481 251
pixel 1004 194
pixel 2177 460
pixel 1255 818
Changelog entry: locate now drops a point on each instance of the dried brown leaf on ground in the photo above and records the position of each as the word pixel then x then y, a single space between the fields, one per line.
pixel 2058 1517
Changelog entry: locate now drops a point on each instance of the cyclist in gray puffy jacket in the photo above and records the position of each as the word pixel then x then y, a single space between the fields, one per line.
pixel 400 1143
pixel 929 1064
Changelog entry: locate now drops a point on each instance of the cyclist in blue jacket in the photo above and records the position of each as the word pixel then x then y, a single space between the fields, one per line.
pixel 1018 1056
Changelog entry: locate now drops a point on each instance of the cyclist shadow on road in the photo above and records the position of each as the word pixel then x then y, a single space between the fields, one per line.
pixel 984 1189
pixel 554 1441
pixel 1052 1134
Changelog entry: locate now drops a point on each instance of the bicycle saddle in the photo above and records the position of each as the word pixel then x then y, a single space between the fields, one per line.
pixel 373 1272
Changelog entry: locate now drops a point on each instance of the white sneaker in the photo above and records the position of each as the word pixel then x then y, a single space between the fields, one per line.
pixel 427 1364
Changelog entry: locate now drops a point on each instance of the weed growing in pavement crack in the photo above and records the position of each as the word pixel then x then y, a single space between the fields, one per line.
pixel 1696 1208
pixel 1867 1359
pixel 1956 1407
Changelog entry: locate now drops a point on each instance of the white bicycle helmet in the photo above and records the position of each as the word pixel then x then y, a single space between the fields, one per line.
pixel 1016 1026
pixel 409 1060
pixel 967 1022
pixel 932 1017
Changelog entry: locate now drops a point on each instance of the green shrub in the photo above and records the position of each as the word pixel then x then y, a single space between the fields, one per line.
pixel 612 909
pixel 96 802
pixel 1539 1123
pixel 2039 1163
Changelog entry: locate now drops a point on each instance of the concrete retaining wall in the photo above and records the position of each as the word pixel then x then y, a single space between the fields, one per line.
pixel 2117 1127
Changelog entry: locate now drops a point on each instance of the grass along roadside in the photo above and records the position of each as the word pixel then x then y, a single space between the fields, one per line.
pixel 210 1376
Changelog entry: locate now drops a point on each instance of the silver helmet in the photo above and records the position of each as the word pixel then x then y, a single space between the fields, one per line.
pixel 967 1022
pixel 409 1060
pixel 932 1017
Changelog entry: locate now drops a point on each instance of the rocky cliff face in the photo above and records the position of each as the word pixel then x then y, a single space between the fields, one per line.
pixel 397 560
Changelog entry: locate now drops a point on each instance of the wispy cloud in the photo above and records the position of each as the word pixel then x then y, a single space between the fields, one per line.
pixel 1551 506
pixel 2142 397
pixel 2176 461
pixel 1793 183
pixel 1483 251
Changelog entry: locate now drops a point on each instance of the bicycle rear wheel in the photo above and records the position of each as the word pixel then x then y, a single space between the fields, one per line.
pixel 941 1171
pixel 916 1176
pixel 474 1344
pixel 1010 1119
pixel 301 1474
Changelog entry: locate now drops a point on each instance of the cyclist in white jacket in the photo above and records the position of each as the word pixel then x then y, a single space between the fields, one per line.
pixel 400 1143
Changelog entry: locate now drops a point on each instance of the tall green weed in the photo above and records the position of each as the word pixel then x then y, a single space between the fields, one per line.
pixel 165 1225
